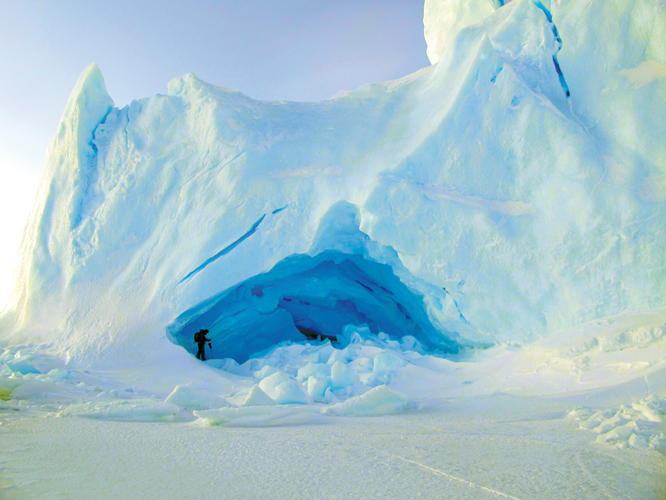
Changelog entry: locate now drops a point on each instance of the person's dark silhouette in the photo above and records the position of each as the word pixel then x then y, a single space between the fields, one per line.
pixel 200 339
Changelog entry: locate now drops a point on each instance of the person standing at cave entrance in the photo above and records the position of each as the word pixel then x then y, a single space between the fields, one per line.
pixel 200 339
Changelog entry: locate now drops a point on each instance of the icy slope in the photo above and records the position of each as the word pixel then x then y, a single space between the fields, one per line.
pixel 511 191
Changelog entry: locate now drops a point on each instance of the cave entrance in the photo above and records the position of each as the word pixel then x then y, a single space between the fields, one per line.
pixel 305 297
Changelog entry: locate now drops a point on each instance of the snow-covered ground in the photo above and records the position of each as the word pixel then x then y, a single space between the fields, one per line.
pixel 489 447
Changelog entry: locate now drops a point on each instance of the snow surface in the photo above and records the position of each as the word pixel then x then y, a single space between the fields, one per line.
pixel 489 447
pixel 405 253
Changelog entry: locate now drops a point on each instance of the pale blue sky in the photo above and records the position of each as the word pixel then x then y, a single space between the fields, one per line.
pixel 269 49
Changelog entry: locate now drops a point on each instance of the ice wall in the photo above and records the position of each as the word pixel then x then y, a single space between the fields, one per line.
pixel 513 189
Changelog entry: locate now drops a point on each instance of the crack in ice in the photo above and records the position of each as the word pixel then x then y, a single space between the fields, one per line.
pixel 226 249
pixel 454 478
pixel 558 69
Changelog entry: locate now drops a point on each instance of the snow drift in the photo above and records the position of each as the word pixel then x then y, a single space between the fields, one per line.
pixel 511 191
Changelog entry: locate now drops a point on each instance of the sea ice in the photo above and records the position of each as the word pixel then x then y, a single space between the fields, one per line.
pixel 190 399
pixel 260 416
pixel 283 389
pixel 21 365
pixel 639 425
pixel 342 376
pixel 319 388
pixel 133 410
pixel 380 400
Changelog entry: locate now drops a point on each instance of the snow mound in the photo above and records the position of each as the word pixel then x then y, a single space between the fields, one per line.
pixel 283 389
pixel 189 399
pixel 257 397
pixel 376 402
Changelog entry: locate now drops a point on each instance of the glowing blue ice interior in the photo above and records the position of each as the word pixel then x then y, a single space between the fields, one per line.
pixel 319 295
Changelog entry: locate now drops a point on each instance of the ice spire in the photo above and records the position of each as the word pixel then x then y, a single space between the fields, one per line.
pixel 73 148
pixel 70 164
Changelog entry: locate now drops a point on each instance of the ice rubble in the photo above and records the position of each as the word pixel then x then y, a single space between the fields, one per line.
pixel 510 192
pixel 306 372
pixel 319 379
pixel 638 425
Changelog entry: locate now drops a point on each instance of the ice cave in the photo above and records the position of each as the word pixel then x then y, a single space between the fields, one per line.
pixel 306 296
pixel 314 296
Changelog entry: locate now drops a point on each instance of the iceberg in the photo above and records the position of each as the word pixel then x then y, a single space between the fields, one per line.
pixel 510 192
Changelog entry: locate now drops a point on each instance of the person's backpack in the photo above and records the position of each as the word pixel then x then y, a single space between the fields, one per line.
pixel 197 336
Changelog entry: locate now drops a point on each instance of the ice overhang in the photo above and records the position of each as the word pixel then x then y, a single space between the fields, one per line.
pixel 304 296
